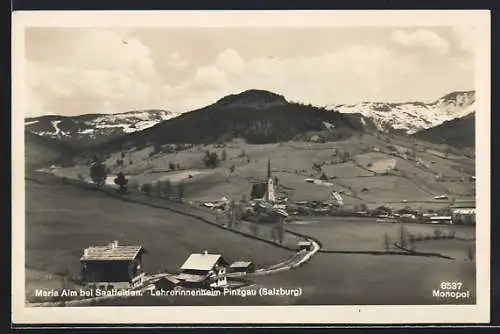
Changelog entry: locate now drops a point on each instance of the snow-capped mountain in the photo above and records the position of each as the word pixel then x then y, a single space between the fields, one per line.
pixel 411 117
pixel 95 128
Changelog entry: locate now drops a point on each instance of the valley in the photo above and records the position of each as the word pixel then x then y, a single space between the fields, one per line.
pixel 216 154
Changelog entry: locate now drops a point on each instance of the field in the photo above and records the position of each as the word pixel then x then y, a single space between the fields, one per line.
pixel 55 237
pixel 413 180
pixel 357 279
pixel 61 220
pixel 355 234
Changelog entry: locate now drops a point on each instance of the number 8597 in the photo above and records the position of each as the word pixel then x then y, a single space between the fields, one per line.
pixel 451 285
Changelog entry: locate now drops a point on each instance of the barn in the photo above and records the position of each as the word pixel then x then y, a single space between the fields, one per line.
pixel 242 267
pixel 112 266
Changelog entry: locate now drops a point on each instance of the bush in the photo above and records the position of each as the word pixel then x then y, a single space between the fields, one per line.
pixel 437 233
pixel 168 189
pixel 147 188
pixel 157 189
pixel 121 181
pixel 402 237
pixel 211 160
pixel 471 253
pixel 387 242
pixel 181 191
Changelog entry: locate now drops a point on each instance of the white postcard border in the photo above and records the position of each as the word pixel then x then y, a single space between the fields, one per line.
pixel 478 313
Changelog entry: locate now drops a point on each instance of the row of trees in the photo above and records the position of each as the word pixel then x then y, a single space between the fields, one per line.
pixel 164 189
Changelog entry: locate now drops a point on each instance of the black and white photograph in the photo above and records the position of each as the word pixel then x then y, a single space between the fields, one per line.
pixel 241 161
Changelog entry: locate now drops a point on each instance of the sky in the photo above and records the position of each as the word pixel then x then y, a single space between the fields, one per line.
pixel 73 71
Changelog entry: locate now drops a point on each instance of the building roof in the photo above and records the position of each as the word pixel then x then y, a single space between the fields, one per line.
pixel 201 261
pixel 440 218
pixel 241 264
pixel 170 278
pixel 191 278
pixel 111 252
pixel 305 243
pixel 460 204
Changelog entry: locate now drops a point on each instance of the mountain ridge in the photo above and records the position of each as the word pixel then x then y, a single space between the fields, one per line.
pixel 90 129
pixel 411 117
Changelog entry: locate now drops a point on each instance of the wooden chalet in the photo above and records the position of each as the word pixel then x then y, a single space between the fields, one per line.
pixel 112 266
pixel 242 267
pixel 203 270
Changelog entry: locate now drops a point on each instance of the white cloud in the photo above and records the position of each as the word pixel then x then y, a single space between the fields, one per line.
pixel 209 76
pixel 231 61
pixel 349 75
pixel 466 38
pixel 176 61
pixel 104 70
pixel 421 38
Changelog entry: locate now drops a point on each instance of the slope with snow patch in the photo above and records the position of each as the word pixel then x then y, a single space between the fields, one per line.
pixel 412 117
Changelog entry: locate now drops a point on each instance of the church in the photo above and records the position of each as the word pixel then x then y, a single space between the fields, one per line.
pixel 265 190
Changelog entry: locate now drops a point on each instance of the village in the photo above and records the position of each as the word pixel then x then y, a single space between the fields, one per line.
pixel 113 269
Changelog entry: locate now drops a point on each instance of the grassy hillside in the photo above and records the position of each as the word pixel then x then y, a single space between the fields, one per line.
pixel 354 166
pixel 61 220
pixel 459 133
pixel 40 151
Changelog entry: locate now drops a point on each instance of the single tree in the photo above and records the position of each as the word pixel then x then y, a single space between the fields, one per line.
pixel 167 188
pixel 156 148
pixel 146 188
pixel 181 190
pixel 411 239
pixel 402 237
pixel 387 242
pixel 224 155
pixel 470 253
pixel 437 233
pixel 98 173
pixel 157 189
pixel 122 182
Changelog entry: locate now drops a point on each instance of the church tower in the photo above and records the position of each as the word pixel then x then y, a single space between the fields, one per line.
pixel 270 194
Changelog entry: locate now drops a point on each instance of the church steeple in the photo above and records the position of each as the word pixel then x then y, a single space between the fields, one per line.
pixel 268 168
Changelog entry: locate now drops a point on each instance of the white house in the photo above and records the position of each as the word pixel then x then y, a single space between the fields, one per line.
pixel 204 269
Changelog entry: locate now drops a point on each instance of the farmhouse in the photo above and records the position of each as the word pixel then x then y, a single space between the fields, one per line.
pixel 203 269
pixel 441 220
pixel 305 245
pixel 464 211
pixel 242 267
pixel 112 266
